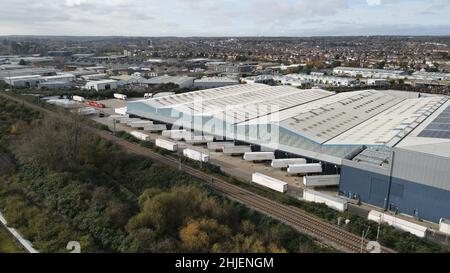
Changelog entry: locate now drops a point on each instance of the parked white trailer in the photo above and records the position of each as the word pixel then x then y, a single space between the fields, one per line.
pixel 165 144
pixel 140 135
pixel 333 202
pixel 195 155
pixel 177 134
pixel 418 230
pixel 199 139
pixel 321 180
pixel 117 117
pixel 259 156
pixel 141 123
pixel 219 145
pixel 304 168
pixel 266 149
pixel 285 162
pixel 87 111
pixel 236 150
pixel 131 121
pixel 269 182
pixel 78 98
pixel 155 128
pixel 121 110
pixel 128 120
pixel 444 226
pixel 120 96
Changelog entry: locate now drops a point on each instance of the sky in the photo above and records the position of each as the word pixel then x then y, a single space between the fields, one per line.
pixel 225 17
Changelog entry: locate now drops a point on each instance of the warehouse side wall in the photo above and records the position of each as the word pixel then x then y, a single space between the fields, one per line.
pixel 420 200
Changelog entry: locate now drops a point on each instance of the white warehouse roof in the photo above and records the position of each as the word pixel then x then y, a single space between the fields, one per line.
pixel 101 81
pixel 216 79
pixel 238 103
pixel 314 123
pixel 180 80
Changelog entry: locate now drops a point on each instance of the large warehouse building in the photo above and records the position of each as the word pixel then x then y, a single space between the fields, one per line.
pixel 375 136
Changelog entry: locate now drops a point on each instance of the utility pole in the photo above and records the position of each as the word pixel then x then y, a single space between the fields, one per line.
pixel 363 237
pixel 379 227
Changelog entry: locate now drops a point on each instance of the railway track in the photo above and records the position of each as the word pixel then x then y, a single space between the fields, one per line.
pixel 294 217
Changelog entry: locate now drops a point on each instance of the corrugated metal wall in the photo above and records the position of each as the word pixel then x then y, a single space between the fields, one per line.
pixel 422 168
pixel 408 197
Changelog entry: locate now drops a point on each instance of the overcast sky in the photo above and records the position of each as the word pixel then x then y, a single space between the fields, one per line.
pixel 225 17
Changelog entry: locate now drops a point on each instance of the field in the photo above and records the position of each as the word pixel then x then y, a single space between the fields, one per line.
pixel 7 242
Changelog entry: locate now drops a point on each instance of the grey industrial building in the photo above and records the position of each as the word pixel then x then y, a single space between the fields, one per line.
pixel 412 178
pixel 181 81
pixel 391 147
pixel 214 82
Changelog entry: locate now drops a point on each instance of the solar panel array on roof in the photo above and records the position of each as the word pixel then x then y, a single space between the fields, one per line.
pixel 440 127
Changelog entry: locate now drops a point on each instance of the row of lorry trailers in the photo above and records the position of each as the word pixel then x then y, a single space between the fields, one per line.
pixel 293 166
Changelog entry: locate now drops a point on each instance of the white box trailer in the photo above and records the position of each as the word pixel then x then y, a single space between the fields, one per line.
pixel 127 120
pixel 199 139
pixel 140 135
pixel 259 156
pixel 333 202
pixel 118 117
pixel 444 226
pixel 236 150
pixel 321 180
pixel 121 110
pixel 266 149
pixel 304 168
pixel 87 111
pixel 155 128
pixel 285 162
pixel 120 96
pixel 418 230
pixel 219 145
pixel 141 123
pixel 195 155
pixel 177 134
pixel 165 144
pixel 131 121
pixel 78 98
pixel 269 182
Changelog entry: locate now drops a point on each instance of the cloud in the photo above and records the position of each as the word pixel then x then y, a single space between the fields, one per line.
pixel 374 2
pixel 215 17
pixel 73 3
